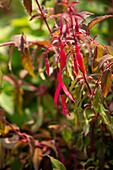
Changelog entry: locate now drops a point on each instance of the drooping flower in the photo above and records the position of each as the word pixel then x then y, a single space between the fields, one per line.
pixel 80 60
pixel 62 56
pixel 47 65
pixel 62 89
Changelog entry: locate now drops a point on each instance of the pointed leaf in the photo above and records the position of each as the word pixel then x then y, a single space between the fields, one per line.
pixel 109 49
pixel 103 59
pixel 97 20
pixel 37 157
pixel 28 5
pixel 27 62
pixel 56 164
pixel 106 82
pixel 99 51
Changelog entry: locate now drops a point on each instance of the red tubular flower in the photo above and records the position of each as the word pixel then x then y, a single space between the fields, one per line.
pixel 62 89
pixel 75 65
pixel 80 60
pixel 47 66
pixel 62 56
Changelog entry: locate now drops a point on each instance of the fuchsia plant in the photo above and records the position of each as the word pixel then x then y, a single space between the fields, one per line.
pixel 71 54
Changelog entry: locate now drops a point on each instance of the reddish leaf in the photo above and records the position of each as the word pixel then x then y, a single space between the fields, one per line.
pixel 97 20
pixel 106 82
pixel 28 5
pixel 27 62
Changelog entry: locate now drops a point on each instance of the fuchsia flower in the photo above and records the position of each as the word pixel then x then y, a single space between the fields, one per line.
pixel 80 60
pixel 62 56
pixel 62 89
pixel 47 65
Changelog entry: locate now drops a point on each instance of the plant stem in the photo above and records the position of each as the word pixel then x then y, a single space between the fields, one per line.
pixel 44 18
pixel 8 43
pixel 87 83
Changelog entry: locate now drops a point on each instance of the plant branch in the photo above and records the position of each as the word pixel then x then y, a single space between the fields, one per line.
pixel 44 18
pixel 5 44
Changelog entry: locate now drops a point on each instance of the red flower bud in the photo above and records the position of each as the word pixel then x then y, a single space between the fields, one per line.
pixel 47 66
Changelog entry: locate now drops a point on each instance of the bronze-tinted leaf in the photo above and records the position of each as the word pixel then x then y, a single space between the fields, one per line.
pixel 97 20
pixel 28 5
pixel 109 49
pixel 27 62
pixel 99 52
pixel 106 82
pixel 37 157
pixel 103 59
pixel 2 122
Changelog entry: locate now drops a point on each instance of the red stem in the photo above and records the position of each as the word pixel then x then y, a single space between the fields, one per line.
pixel 8 43
pixel 22 136
pixel 44 18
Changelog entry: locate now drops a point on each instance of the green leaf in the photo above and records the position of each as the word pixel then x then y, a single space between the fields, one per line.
pixel 106 82
pixel 57 165
pixel 28 5
pixel 66 133
pixel 97 20
pixel 7 103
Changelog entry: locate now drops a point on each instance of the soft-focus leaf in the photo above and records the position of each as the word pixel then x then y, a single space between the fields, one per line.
pixel 27 62
pixel 17 41
pixel 109 49
pixel 106 82
pixel 37 157
pixel 97 20
pixel 10 142
pixel 104 59
pixel 50 145
pixel 18 100
pixel 66 133
pixel 28 5
pixel 56 164
pixel 7 103
pixel 10 52
pixel 2 122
